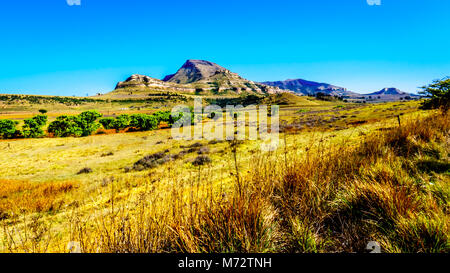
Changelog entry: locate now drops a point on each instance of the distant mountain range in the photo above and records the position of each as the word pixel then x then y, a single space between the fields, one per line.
pixel 310 88
pixel 305 87
pixel 204 77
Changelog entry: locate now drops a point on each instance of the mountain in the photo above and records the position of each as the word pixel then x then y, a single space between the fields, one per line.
pixel 207 76
pixel 305 87
pixel 390 94
pixel 202 77
pixel 195 76
pixel 197 70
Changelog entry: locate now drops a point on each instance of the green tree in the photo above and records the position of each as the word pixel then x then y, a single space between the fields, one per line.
pixel 121 122
pixel 144 122
pixel 8 128
pixel 87 122
pixel 65 126
pixel 32 128
pixel 43 111
pixel 106 122
pixel 163 116
pixel 438 93
pixel 82 125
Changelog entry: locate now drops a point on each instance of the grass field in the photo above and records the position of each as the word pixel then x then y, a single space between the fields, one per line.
pixel 344 174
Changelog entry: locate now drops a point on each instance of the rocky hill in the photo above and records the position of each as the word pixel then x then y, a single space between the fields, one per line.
pixel 207 76
pixel 390 94
pixel 145 82
pixel 305 87
pixel 199 77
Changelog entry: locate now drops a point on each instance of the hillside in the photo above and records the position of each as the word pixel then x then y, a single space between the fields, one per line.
pixel 194 77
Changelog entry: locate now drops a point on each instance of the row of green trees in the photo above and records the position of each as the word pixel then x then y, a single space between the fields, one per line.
pixel 32 128
pixel 83 124
pixel 141 122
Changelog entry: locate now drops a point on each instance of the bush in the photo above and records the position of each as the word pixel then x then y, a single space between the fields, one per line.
pixel 163 116
pixel 150 161
pixel 106 122
pixel 201 160
pixel 32 128
pixel 121 122
pixel 82 125
pixel 143 122
pixel 85 171
pixel 65 126
pixel 87 122
pixel 8 128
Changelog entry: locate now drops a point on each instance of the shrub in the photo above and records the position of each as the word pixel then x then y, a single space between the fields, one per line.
pixel 143 122
pixel 87 122
pixel 32 128
pixel 85 170
pixel 65 126
pixel 121 122
pixel 82 125
pixel 150 161
pixel 8 128
pixel 163 116
pixel 106 122
pixel 201 160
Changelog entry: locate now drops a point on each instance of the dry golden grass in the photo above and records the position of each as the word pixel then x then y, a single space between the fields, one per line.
pixel 28 197
pixel 324 191
pixel 333 199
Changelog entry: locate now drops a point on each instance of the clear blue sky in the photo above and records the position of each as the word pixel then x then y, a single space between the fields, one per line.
pixel 49 47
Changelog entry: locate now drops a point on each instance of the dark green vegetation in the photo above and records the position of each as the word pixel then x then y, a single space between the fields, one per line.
pixel 8 128
pixel 156 97
pixel 32 127
pixel 243 100
pixel 81 125
pixel 439 93
pixel 85 124
pixel 140 122
pixel 12 99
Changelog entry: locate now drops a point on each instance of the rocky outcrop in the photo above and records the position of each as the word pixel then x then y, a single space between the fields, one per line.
pixel 137 81
pixel 210 77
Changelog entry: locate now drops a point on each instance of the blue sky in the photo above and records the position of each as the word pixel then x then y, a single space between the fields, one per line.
pixel 49 47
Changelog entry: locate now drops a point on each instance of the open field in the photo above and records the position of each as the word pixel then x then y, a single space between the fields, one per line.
pixel 344 174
